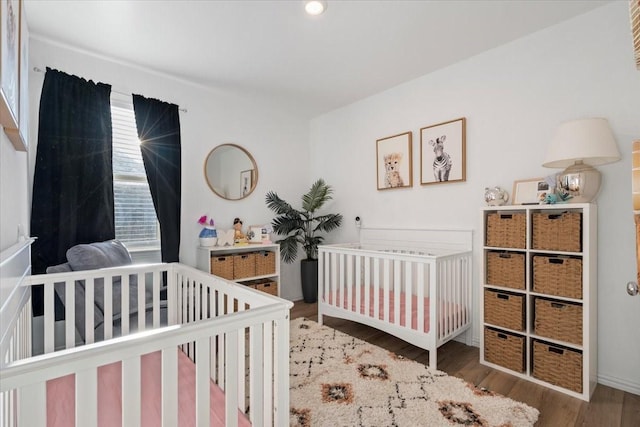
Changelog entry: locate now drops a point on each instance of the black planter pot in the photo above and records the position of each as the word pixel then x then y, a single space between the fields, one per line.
pixel 309 278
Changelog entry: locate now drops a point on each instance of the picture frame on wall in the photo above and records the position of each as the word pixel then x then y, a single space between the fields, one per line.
pixel 394 161
pixel 246 182
pixel 531 191
pixel 9 63
pixel 443 152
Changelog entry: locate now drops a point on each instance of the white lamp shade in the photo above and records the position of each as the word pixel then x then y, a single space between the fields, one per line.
pixel 588 140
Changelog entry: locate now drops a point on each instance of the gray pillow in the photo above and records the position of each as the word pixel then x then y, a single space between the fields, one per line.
pixel 111 253
pixel 60 268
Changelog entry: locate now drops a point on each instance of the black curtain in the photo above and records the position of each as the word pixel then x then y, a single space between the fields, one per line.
pixel 73 178
pixel 158 126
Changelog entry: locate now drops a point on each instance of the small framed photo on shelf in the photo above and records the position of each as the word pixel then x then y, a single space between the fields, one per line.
pixel 530 191
pixel 394 162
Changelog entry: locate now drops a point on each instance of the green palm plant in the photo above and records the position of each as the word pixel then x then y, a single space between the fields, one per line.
pixel 301 226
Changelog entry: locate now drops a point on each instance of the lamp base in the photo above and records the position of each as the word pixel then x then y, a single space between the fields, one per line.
pixel 581 182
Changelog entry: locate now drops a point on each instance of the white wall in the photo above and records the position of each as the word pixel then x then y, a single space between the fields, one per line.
pixel 276 138
pixel 513 97
pixel 14 209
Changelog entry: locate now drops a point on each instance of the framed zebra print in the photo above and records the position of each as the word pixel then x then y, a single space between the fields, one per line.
pixel 394 161
pixel 443 152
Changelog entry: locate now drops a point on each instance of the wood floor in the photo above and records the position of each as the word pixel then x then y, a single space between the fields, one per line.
pixel 608 407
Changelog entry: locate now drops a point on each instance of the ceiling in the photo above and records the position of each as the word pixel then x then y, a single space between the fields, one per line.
pixel 272 48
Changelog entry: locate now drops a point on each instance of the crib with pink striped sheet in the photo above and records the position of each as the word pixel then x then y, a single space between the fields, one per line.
pixel 213 353
pixel 413 284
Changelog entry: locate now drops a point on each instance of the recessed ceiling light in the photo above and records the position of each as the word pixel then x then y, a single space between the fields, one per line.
pixel 315 7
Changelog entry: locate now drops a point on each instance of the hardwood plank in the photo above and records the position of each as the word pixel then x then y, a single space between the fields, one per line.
pixel 630 410
pixel 608 407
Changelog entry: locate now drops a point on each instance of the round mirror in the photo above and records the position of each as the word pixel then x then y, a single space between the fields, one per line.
pixel 231 172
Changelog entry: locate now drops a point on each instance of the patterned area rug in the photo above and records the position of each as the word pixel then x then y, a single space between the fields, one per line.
pixel 339 380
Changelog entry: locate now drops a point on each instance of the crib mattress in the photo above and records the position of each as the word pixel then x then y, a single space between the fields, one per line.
pixel 61 396
pixel 456 314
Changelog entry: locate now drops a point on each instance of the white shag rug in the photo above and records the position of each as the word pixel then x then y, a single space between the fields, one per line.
pixel 339 380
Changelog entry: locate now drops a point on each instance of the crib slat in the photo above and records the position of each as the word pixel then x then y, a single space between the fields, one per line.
pixel 131 392
pixel 32 405
pixel 386 286
pixel 141 301
pixel 367 285
pixel 156 299
pixel 202 383
pixel 89 320
pixel 107 324
pixel 70 314
pixel 169 387
pixel 49 319
pixel 87 397
pixel 124 305
pixel 268 372
pixel 349 281
pixel 396 284
pixel 408 294
pixel 241 362
pixel 420 291
pixel 256 403
pixel 281 374
pixel 358 283
pixel 231 389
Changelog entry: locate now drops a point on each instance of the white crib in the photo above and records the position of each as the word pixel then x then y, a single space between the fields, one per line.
pixel 402 282
pixel 236 340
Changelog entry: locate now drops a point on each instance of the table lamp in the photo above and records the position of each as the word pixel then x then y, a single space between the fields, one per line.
pixel 578 145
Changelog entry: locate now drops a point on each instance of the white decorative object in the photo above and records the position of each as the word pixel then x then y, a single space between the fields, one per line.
pixel 495 196
pixel 225 238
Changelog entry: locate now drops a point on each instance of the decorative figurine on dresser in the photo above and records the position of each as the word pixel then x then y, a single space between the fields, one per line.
pixel 238 236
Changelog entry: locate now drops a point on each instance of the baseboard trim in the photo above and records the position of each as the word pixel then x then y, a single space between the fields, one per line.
pixel 619 383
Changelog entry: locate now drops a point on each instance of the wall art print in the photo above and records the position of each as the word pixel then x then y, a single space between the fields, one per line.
pixel 394 161
pixel 443 152
pixel 9 48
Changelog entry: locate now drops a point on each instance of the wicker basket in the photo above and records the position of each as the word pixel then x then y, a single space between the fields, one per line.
pixel 506 230
pixel 557 275
pixel 504 349
pixel 557 231
pixel 222 266
pixel 558 320
pixel 264 285
pixel 504 309
pixel 557 365
pixel 265 263
pixel 505 269
pixel 268 286
pixel 244 265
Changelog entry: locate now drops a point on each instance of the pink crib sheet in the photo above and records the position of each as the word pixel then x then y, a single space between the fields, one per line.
pixel 456 313
pixel 61 395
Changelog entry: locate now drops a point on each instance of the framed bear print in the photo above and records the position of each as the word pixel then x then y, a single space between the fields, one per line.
pixel 443 152
pixel 394 161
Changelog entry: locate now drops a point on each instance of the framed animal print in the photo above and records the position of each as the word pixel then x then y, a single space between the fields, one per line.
pixel 443 152
pixel 394 161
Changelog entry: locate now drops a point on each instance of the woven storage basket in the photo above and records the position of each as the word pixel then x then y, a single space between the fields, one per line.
pixel 505 269
pixel 504 309
pixel 222 266
pixel 554 275
pixel 268 286
pixel 557 231
pixel 506 230
pixel 244 265
pixel 558 320
pixel 504 349
pixel 265 263
pixel 557 365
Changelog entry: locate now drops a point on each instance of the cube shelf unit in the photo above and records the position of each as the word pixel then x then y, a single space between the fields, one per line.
pixel 209 258
pixel 538 302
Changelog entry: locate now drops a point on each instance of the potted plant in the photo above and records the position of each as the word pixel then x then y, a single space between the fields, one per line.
pixel 301 227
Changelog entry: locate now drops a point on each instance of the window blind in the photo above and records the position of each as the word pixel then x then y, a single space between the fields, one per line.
pixel 135 217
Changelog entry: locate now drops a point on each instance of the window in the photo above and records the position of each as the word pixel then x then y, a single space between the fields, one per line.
pixel 135 217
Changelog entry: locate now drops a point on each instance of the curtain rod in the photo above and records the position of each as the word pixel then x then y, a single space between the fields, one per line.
pixel 40 70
